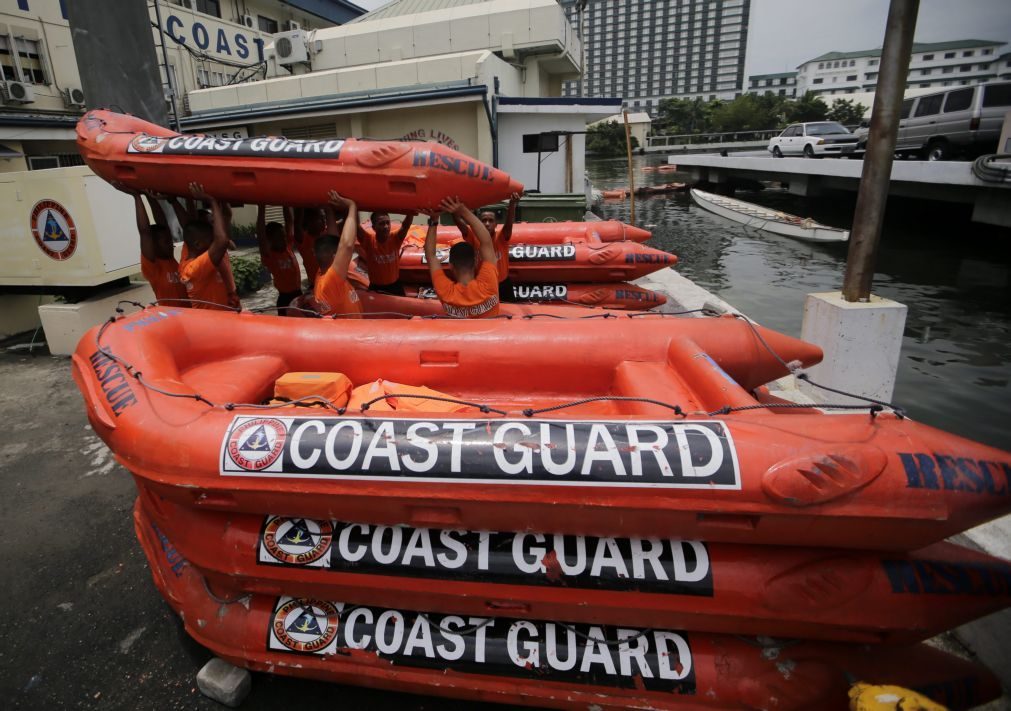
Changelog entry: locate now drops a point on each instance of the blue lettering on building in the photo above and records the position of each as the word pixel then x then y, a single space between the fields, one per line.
pixel 942 471
pixel 200 36
pixel 224 40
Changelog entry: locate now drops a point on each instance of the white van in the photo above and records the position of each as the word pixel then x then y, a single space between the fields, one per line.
pixel 962 120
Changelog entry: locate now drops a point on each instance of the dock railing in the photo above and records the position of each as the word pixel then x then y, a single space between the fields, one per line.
pixel 684 139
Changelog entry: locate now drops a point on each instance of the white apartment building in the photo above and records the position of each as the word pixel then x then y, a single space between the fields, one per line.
pixel 206 43
pixel 781 84
pixel 933 64
pixel 645 51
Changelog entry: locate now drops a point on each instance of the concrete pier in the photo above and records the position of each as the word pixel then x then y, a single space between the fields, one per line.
pixel 947 181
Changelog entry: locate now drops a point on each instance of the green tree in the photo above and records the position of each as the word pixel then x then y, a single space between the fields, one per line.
pixel 749 113
pixel 608 139
pixel 685 115
pixel 809 107
pixel 847 112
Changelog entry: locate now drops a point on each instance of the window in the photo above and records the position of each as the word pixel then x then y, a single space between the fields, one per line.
pixel 209 7
pixel 819 80
pixel 984 66
pixel 925 72
pixel 949 55
pixel 906 106
pixel 987 51
pixel 27 65
pixel 927 57
pixel 821 65
pixel 947 70
pixel 997 95
pixel 43 162
pixel 958 100
pixel 967 53
pixel 851 77
pixel 872 63
pixel 965 68
pixel 265 24
pixel 853 62
pixel 929 105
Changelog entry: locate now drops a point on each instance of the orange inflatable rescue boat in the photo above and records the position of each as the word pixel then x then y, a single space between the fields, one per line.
pixel 576 261
pixel 638 425
pixel 556 232
pixel 505 655
pixel 399 176
pixel 606 296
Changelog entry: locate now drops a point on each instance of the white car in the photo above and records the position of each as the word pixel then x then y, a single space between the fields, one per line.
pixel 811 140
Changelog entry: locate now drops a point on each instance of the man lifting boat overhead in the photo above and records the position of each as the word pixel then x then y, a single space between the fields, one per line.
pixel 382 252
pixel 333 292
pixel 275 240
pixel 501 235
pixel 206 247
pixel 157 260
pixel 473 294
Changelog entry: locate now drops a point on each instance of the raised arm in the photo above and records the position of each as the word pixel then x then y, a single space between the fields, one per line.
pixel 297 226
pixel 346 246
pixel 147 248
pixel 261 230
pixel 289 224
pixel 507 226
pixel 405 227
pixel 431 239
pixel 331 217
pixel 219 247
pixel 477 228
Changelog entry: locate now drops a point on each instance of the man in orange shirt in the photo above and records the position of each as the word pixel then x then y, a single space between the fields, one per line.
pixel 157 261
pixel 206 246
pixel 192 213
pixel 309 226
pixel 471 295
pixel 382 252
pixel 500 238
pixel 277 256
pixel 334 294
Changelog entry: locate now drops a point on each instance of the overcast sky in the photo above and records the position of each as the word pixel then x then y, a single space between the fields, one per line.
pixel 784 33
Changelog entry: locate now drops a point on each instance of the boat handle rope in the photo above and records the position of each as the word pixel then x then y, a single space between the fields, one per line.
pixel 874 406
pixel 796 370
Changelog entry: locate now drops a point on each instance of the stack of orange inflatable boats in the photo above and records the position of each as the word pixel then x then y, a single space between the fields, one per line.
pixel 568 513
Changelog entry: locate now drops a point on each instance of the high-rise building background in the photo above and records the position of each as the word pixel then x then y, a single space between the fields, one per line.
pixel 648 50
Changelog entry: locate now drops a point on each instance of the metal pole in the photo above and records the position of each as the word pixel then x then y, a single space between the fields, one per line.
pixel 877 169
pixel 631 177
pixel 168 74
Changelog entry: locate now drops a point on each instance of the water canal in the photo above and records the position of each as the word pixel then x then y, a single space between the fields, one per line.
pixel 954 275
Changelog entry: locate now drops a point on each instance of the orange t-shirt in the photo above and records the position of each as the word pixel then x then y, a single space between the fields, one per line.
pixel 306 248
pixel 335 295
pixel 478 299
pixel 501 249
pixel 382 258
pixel 283 268
pixel 163 275
pixel 203 281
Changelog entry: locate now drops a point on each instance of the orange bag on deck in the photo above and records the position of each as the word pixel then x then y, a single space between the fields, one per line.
pixel 370 391
pixel 335 387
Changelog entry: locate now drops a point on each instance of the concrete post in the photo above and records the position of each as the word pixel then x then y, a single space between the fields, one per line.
pixel 861 340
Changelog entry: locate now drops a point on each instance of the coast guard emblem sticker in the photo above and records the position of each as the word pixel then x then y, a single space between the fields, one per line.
pixel 255 444
pixel 304 625
pixel 54 230
pixel 296 541
pixel 146 144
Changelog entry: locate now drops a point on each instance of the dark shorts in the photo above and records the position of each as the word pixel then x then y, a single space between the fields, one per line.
pixel 285 298
pixel 394 288
pixel 505 291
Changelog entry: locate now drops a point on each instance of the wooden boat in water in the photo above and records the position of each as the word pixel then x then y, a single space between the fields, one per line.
pixel 765 219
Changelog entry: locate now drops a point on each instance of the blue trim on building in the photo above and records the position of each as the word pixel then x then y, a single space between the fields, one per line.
pixel 329 103
pixel 23 5
pixel 557 101
pixel 63 8
pixel 335 11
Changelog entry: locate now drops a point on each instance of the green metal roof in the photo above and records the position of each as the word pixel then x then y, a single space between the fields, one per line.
pixel 398 8
pixel 781 75
pixel 918 48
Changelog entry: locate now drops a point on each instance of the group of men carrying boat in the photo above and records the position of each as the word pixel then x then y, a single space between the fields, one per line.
pixel 326 240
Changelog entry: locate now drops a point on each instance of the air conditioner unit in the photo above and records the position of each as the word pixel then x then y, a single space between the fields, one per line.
pixel 246 20
pixel 16 92
pixel 291 47
pixel 73 98
pixel 290 26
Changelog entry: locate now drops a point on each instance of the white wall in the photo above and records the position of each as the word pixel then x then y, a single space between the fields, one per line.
pixel 523 166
